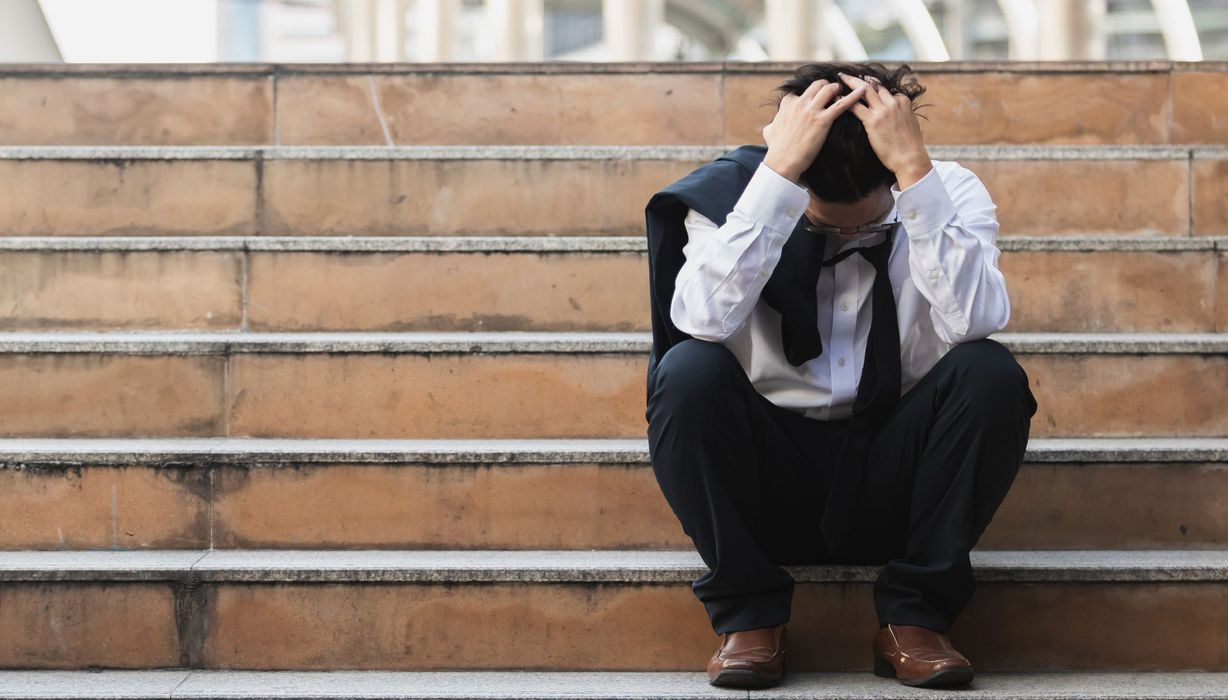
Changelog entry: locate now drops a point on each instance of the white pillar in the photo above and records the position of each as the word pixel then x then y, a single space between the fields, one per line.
pixel 789 29
pixel 515 27
pixel 629 28
pixel 954 29
pixel 434 29
pixel 1070 31
pixel 388 30
pixel 1177 25
pixel 1022 24
pixel 835 33
pixel 359 17
pixel 922 33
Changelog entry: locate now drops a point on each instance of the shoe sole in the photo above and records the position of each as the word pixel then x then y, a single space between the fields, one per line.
pixel 943 679
pixel 741 678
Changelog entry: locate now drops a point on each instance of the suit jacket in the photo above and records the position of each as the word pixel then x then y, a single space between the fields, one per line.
pixel 713 189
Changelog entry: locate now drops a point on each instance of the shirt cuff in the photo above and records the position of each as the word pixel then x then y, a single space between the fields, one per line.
pixel 773 200
pixel 925 205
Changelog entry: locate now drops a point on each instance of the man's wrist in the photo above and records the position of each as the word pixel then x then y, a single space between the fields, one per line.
pixel 912 172
pixel 783 168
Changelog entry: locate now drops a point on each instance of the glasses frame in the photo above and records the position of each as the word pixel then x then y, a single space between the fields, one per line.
pixel 866 229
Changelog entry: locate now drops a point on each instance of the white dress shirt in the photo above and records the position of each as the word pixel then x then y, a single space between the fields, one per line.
pixel 943 269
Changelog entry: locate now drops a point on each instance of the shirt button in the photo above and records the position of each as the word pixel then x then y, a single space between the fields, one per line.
pixel 791 212
pixel 912 215
pixel 933 274
pixel 840 362
pixel 844 306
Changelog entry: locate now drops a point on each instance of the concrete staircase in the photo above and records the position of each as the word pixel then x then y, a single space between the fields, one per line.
pixel 328 381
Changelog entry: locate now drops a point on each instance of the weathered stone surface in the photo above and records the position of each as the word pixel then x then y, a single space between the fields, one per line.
pixel 436 396
pixel 47 626
pixel 94 507
pixel 345 291
pixel 1221 294
pixel 127 197
pixel 136 109
pixel 1111 291
pixel 510 385
pixel 476 197
pixel 1210 197
pixel 85 395
pixel 1042 198
pixel 998 107
pixel 606 108
pixel 1200 103
pixel 103 290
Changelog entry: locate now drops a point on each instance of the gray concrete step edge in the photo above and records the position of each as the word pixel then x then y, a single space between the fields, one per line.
pixel 580 152
pixel 590 685
pixel 229 342
pixel 462 70
pixel 531 244
pixel 643 566
pixel 86 452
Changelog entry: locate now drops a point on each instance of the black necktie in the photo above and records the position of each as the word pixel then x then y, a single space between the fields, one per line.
pixel 878 391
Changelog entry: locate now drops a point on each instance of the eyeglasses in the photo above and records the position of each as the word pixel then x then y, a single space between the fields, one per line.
pixel 868 229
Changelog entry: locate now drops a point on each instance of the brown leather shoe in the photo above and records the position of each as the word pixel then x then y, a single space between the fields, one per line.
pixel 749 658
pixel 919 657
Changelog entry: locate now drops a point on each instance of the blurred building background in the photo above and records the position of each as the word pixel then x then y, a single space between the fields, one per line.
pixel 610 30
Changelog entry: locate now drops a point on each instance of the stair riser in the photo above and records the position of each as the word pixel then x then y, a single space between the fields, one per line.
pixel 531 197
pixel 458 395
pixel 536 105
pixel 1097 291
pixel 571 626
pixel 416 506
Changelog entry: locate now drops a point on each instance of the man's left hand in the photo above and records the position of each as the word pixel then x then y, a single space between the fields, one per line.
pixel 893 131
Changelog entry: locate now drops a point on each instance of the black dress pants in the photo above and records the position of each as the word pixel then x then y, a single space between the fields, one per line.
pixel 748 480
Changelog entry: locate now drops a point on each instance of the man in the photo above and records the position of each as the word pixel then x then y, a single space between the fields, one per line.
pixel 821 387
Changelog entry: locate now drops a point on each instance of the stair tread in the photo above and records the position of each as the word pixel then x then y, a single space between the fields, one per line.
pixel 584 152
pixel 521 341
pixel 566 566
pixel 1094 685
pixel 512 450
pixel 537 244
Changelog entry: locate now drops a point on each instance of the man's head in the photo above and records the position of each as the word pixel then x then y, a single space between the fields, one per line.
pixel 848 183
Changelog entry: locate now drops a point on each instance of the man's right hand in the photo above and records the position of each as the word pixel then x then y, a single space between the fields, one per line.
pixel 796 134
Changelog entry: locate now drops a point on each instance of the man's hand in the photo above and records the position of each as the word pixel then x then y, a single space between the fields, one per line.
pixel 796 134
pixel 893 130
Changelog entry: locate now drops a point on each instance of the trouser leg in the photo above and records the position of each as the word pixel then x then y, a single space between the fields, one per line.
pixel 937 470
pixel 744 477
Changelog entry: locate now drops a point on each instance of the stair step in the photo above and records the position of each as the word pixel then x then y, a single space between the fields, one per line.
pixel 269 493
pixel 593 685
pixel 567 566
pixel 585 190
pixel 583 610
pixel 513 384
pixel 245 450
pixel 596 685
pixel 344 283
pixel 692 102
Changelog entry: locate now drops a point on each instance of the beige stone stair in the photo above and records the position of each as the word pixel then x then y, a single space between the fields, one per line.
pixel 543 190
pixel 572 611
pixel 512 385
pixel 573 103
pixel 314 368
pixel 239 493
pixel 542 283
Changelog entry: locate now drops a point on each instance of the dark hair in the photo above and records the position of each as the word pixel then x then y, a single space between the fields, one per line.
pixel 847 168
